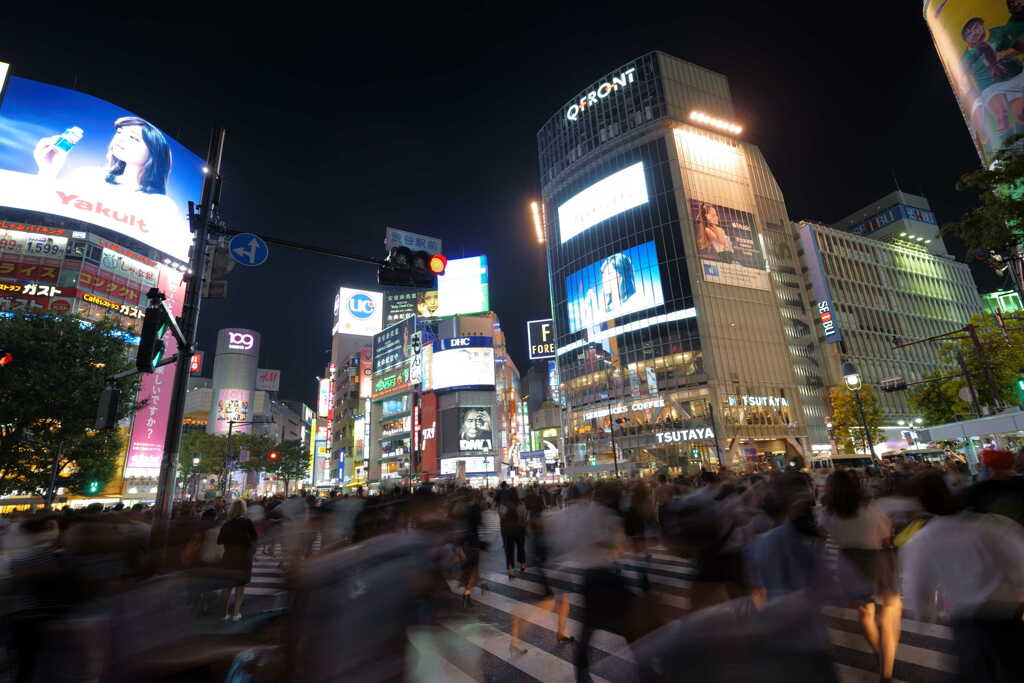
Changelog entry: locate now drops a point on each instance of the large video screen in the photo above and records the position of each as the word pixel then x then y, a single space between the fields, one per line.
pixel 979 45
pixel 475 429
pixel 462 362
pixel 729 246
pixel 602 200
pixel 463 288
pixel 70 154
pixel 625 282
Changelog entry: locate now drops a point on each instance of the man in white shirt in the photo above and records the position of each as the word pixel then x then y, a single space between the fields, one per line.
pixel 975 562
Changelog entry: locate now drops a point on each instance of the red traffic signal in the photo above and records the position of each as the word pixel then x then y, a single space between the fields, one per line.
pixel 5 358
pixel 272 455
pixel 437 264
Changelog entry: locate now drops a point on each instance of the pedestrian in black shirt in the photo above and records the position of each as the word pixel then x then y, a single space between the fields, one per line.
pixel 238 536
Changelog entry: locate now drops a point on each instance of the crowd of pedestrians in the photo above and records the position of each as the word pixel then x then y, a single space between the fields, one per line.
pixel 769 552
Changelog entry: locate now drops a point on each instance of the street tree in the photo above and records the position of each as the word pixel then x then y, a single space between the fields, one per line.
pixel 846 420
pixel 997 223
pixel 292 462
pixel 49 395
pixel 1002 355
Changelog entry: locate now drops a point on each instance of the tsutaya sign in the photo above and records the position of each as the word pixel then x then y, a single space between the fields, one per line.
pixel 601 92
pixel 766 401
pixel 681 435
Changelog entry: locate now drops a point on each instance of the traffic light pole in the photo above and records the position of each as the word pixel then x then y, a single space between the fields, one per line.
pixel 200 225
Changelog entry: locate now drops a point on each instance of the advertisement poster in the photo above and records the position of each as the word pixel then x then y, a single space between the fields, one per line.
pixel 462 362
pixel 365 373
pixel 463 289
pixel 608 197
pixel 407 304
pixel 980 44
pixel 232 406
pixel 625 282
pixel 475 429
pixel 392 346
pixel 70 154
pixel 149 426
pixel 359 312
pixel 729 247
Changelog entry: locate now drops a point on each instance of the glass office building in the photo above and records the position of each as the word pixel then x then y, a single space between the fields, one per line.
pixel 672 351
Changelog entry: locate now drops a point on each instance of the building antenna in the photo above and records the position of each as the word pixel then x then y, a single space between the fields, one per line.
pixel 895 179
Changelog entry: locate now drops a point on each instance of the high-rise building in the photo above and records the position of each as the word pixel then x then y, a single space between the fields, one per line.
pixel 879 277
pixel 662 226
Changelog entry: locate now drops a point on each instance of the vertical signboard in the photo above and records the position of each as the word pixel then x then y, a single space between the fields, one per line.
pixel 824 307
pixel 365 373
pixel 149 426
pixel 541 337
pixel 428 434
pixel 323 401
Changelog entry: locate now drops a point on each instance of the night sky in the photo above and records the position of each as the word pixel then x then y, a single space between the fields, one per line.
pixel 339 125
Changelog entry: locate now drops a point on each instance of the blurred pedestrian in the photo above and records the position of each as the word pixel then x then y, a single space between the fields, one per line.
pixel 973 565
pixel 238 536
pixel 513 517
pixel 867 567
pixel 1000 491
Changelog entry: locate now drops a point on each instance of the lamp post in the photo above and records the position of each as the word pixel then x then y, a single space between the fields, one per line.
pixel 195 477
pixel 854 384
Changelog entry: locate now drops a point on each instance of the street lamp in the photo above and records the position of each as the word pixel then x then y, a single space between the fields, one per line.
pixel 854 384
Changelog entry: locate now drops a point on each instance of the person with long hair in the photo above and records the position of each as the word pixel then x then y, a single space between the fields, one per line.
pixel 238 536
pixel 712 240
pixel 867 567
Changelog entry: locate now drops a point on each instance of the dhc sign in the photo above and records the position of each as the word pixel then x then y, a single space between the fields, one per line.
pixel 601 92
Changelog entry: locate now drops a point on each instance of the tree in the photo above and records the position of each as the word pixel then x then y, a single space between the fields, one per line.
pixel 995 225
pixel 292 462
pixel 849 432
pixel 940 401
pixel 49 397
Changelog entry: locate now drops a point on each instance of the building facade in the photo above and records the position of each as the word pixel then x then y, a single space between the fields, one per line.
pixel 672 350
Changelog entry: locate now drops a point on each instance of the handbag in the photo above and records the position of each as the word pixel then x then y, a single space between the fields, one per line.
pixel 909 531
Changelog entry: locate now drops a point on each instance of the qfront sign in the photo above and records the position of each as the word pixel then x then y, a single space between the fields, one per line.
pixel 601 92
pixel 682 435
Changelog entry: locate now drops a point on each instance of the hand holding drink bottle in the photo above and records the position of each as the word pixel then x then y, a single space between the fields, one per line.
pixel 51 153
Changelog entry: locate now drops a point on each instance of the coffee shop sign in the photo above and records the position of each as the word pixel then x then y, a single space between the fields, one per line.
pixel 620 408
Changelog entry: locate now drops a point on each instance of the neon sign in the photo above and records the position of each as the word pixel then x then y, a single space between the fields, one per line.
pixel 601 92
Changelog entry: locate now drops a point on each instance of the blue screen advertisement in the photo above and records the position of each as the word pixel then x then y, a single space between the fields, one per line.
pixel 70 154
pixel 625 282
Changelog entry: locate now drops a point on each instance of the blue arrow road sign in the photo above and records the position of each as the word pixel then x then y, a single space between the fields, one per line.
pixel 248 249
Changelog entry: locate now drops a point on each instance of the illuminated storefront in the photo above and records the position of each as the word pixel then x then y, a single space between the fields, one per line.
pixel 661 225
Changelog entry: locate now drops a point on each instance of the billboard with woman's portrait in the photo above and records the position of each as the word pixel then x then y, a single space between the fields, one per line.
pixel 981 45
pixel 70 154
pixel 625 282
pixel 729 247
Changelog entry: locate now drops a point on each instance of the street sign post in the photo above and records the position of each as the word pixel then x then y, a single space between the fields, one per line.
pixel 248 249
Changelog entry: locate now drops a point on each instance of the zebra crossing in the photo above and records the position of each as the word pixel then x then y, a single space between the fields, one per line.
pixel 480 647
pixel 268 571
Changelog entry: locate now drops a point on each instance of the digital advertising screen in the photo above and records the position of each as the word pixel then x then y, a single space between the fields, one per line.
pixel 463 289
pixel 475 429
pixel 232 406
pixel 70 154
pixel 625 282
pixel 729 247
pixel 607 197
pixel 399 306
pixel 393 346
pixel 471 465
pixel 359 312
pixel 980 46
pixel 462 362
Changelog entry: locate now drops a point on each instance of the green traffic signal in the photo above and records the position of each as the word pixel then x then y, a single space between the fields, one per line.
pixel 92 488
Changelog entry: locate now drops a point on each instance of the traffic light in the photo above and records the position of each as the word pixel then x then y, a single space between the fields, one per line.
pixel 5 358
pixel 273 456
pixel 92 488
pixel 151 345
pixel 407 268
pixel 110 401
pixel 892 384
pixel 1020 387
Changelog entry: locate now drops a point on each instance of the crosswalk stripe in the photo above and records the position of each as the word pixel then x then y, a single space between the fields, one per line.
pixel 908 625
pixel 906 653
pixel 428 664
pixel 849 674
pixel 535 662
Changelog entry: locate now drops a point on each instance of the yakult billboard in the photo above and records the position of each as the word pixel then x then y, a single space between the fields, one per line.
pixel 70 154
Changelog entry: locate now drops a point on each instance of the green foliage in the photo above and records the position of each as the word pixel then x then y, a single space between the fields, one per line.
pixel 48 401
pixel 996 223
pixel 846 422
pixel 939 401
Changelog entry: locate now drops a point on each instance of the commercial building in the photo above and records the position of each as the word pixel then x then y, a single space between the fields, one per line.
pixel 673 353
pixel 879 277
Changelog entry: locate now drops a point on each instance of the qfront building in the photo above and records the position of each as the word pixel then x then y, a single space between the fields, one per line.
pixel 673 353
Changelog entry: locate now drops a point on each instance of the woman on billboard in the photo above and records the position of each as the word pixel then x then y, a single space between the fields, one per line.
pixel 712 242
pixel 138 158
